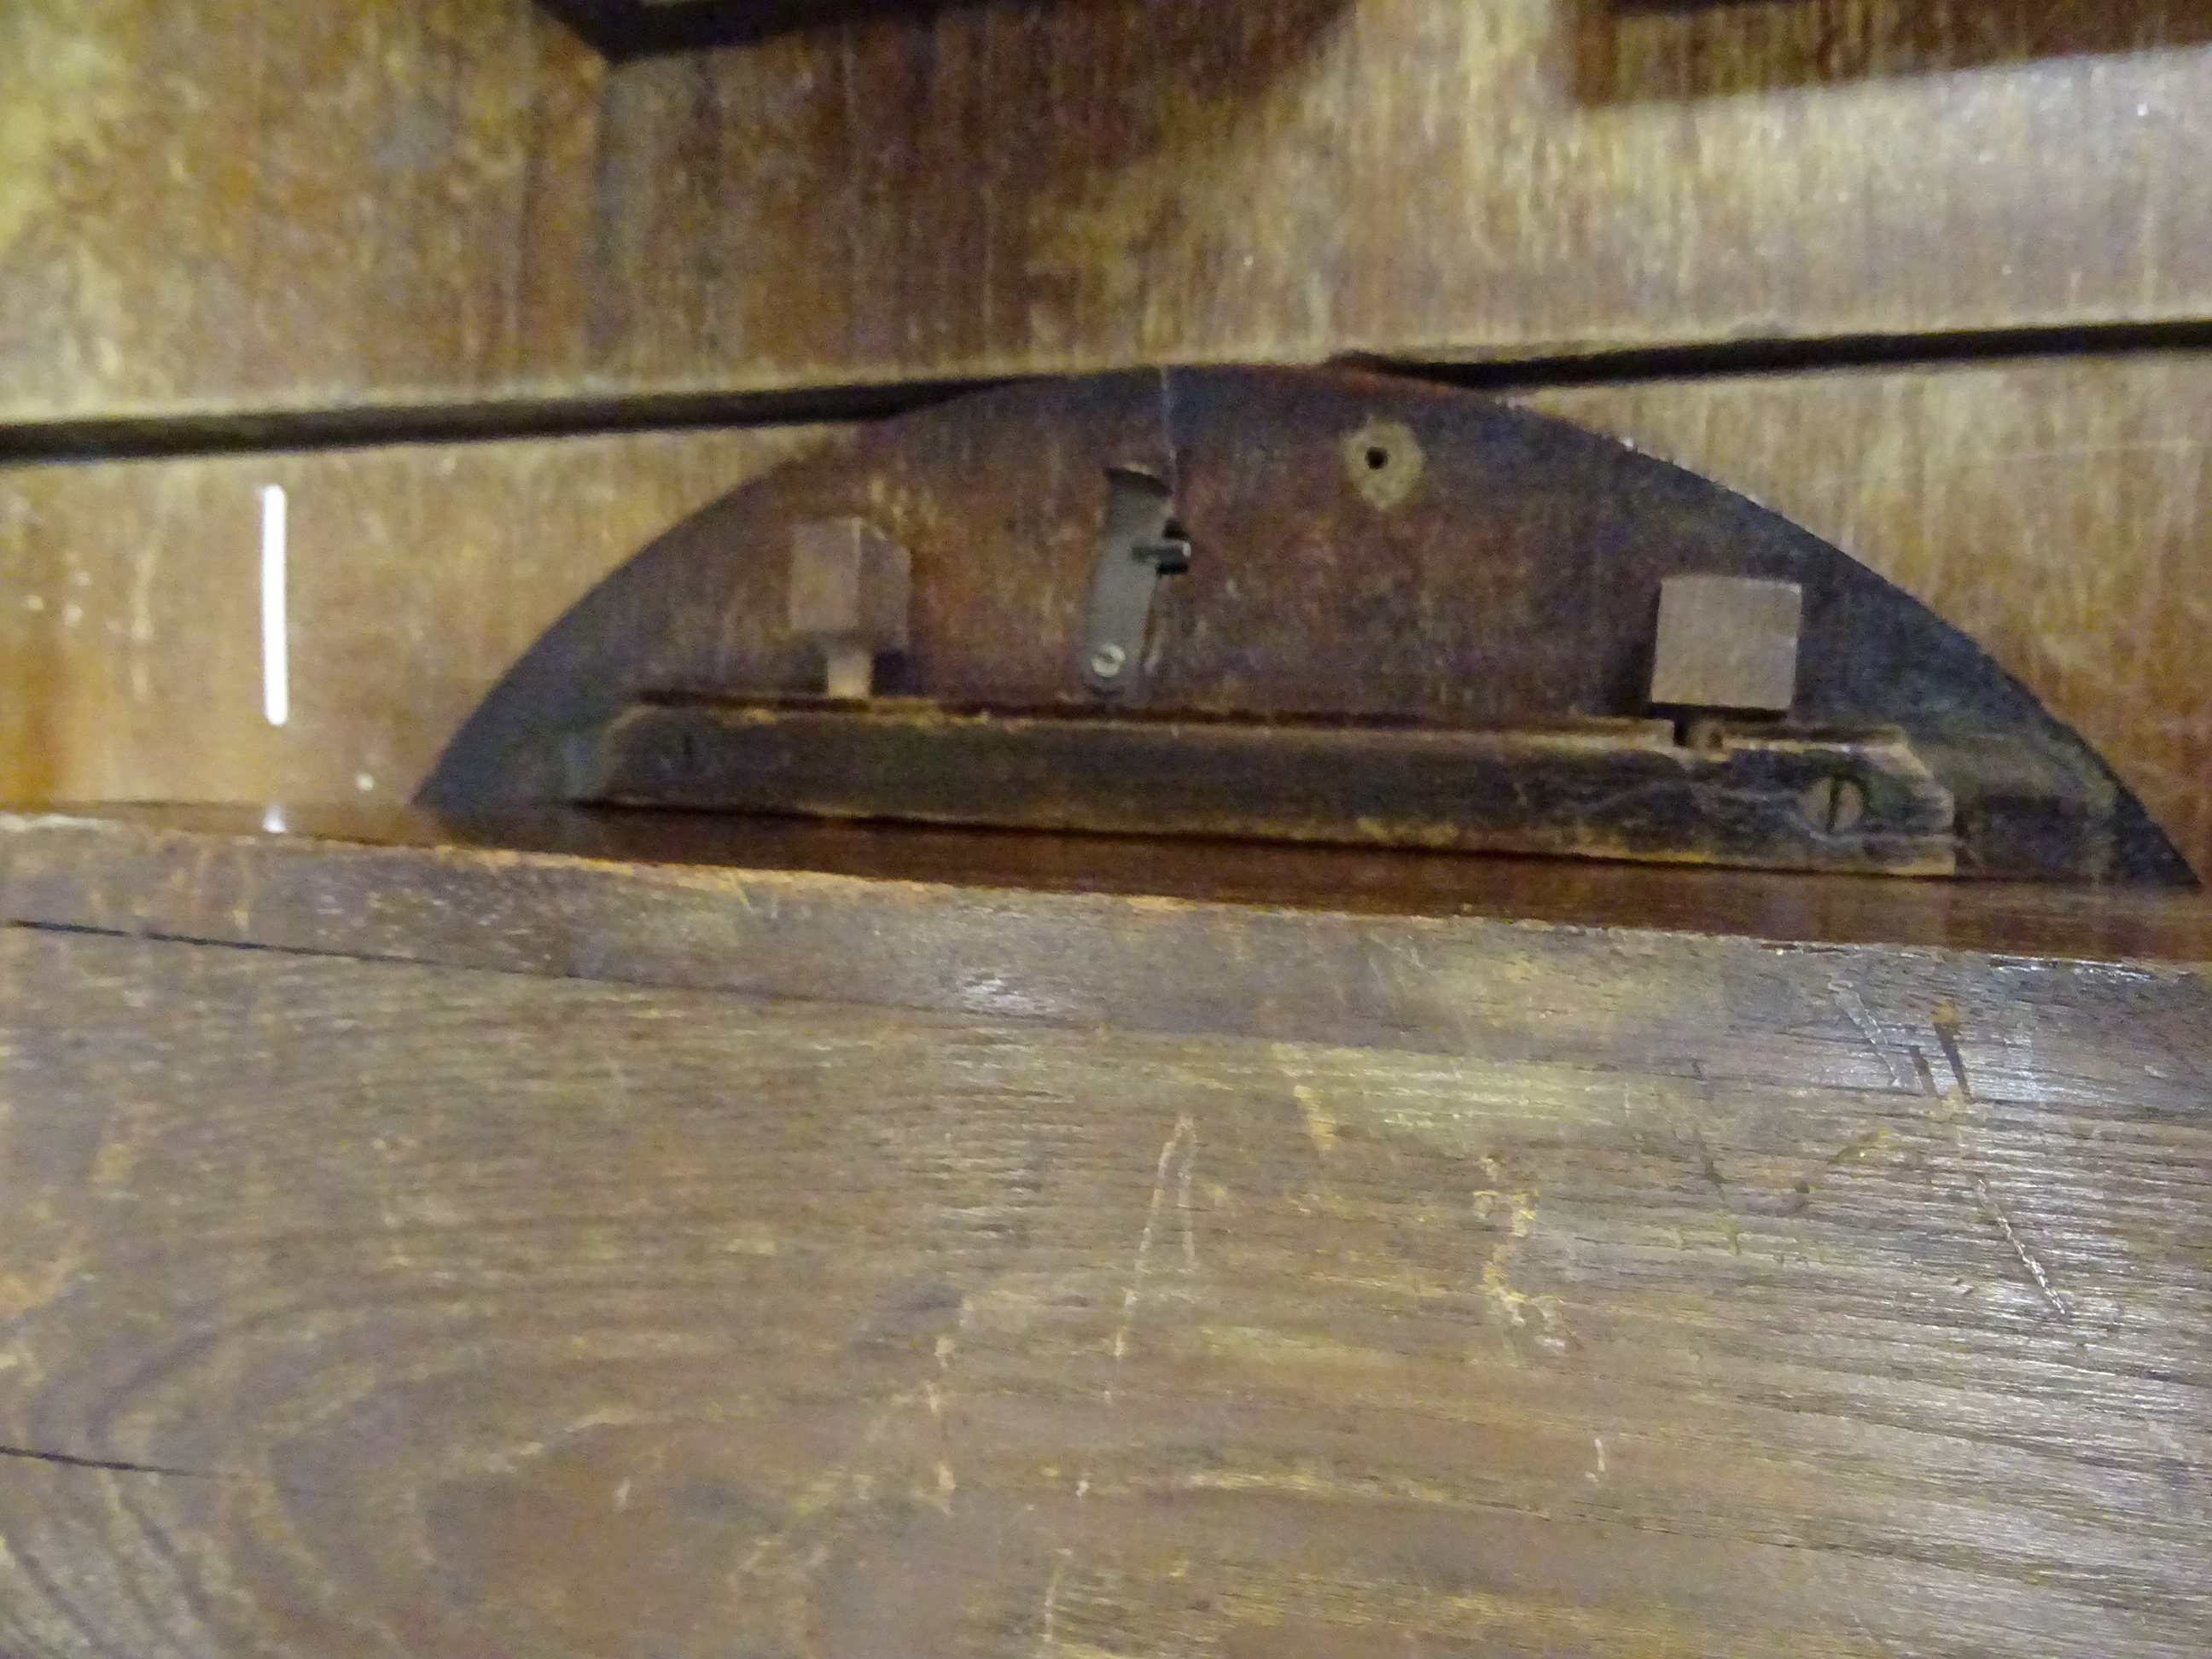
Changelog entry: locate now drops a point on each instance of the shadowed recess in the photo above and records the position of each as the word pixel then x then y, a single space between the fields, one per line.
pixel 1625 50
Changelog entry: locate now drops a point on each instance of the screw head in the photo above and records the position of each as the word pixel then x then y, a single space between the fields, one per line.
pixel 1833 806
pixel 1107 661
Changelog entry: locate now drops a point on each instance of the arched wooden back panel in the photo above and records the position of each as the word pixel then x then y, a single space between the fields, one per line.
pixel 1366 551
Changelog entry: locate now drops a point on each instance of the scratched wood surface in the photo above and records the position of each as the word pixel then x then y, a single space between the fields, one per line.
pixel 1662 1296
pixel 2048 509
pixel 207 206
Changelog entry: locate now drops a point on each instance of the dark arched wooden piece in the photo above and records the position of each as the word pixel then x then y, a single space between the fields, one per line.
pixel 1368 549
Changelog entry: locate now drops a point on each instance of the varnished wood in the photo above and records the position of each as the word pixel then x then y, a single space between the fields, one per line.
pixel 1075 1251
pixel 130 603
pixel 1337 944
pixel 236 209
pixel 1653 1295
pixel 1514 585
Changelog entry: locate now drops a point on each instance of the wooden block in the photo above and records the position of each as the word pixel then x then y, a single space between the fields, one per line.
pixel 1727 642
pixel 850 588
pixel 1629 790
pixel 2046 508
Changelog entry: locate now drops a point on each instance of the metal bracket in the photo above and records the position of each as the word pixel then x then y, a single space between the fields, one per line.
pixel 1135 550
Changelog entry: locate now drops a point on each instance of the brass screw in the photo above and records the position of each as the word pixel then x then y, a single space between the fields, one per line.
pixel 1833 805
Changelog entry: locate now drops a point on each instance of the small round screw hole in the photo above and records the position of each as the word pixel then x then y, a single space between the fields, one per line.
pixel 1383 460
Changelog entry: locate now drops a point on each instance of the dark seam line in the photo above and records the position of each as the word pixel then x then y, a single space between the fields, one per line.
pixel 115 1465
pixel 278 430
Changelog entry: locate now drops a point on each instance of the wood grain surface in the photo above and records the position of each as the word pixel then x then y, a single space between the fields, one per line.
pixel 368 1308
pixel 212 206
pixel 130 602
pixel 1062 1264
pixel 1358 944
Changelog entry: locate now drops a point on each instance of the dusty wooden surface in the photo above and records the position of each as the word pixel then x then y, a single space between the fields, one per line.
pixel 1360 944
pixel 222 207
pixel 130 602
pixel 1663 1296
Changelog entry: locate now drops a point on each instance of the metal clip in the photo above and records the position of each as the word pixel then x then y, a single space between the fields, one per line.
pixel 1135 550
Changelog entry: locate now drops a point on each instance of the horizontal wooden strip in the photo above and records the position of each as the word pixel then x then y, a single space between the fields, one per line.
pixel 1331 945
pixel 264 431
pixel 127 437
pixel 212 208
pixel 364 1306
pixel 1535 792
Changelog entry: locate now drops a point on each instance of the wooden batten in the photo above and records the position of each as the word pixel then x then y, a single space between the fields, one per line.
pixel 218 210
